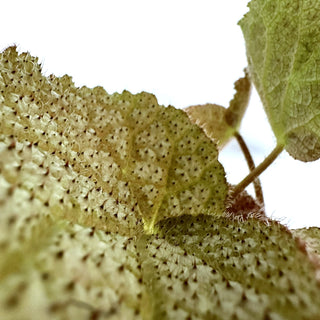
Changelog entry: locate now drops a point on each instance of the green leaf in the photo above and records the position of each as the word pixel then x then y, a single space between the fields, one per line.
pixel 120 157
pixel 311 236
pixel 72 245
pixel 215 268
pixel 283 49
pixel 219 123
pixel 211 118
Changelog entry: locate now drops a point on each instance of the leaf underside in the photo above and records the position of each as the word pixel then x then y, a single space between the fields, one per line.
pixel 219 123
pixel 79 170
pixel 283 49
pixel 311 236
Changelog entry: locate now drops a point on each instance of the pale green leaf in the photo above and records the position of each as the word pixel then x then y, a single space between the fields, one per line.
pixel 72 245
pixel 219 123
pixel 120 157
pixel 211 118
pixel 238 105
pixel 283 49
pixel 215 268
pixel 202 267
pixel 311 236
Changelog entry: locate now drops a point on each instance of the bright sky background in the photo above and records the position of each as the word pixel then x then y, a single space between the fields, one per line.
pixel 185 52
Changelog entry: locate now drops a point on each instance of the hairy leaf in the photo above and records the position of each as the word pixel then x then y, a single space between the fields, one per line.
pixel 121 157
pixel 311 236
pixel 283 48
pixel 72 196
pixel 202 267
pixel 215 268
pixel 219 123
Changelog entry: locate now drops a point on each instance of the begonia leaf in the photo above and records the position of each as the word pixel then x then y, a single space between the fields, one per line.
pixel 219 123
pixel 283 48
pixel 121 157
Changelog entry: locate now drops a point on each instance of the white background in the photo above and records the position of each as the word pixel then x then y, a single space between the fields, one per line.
pixel 185 52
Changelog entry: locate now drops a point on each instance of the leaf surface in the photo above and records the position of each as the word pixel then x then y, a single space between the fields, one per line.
pixel 201 267
pixel 72 245
pixel 216 268
pixel 311 236
pixel 121 157
pixel 283 49
pixel 219 123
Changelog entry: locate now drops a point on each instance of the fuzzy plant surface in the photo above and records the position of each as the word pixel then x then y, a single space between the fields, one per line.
pixel 283 48
pixel 220 123
pixel 114 207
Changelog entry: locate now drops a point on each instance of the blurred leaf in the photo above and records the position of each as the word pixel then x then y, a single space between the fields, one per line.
pixel 219 123
pixel 311 236
pixel 211 118
pixel 283 49
pixel 238 105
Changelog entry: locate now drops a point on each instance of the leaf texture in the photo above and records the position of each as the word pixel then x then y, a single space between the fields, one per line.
pixel 311 238
pixel 72 200
pixel 202 267
pixel 121 157
pixel 216 268
pixel 283 49
pixel 219 123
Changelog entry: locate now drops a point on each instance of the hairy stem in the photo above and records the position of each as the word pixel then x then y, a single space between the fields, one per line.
pixel 251 165
pixel 258 170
